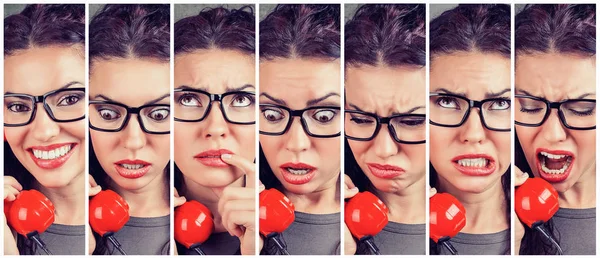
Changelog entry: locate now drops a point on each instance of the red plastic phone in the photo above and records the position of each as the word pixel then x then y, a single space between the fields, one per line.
pixel 193 225
pixel 30 214
pixel 366 215
pixel 108 214
pixel 446 219
pixel 276 214
pixel 536 201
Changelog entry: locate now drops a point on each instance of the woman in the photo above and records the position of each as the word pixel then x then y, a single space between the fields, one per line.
pixel 470 104
pixel 45 136
pixel 558 66
pixel 129 121
pixel 300 76
pixel 385 121
pixel 215 140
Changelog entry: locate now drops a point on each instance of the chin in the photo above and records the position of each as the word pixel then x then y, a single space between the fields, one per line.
pixel 298 189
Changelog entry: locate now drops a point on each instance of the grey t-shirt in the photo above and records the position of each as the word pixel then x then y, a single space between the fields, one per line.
pixel 312 234
pixel 401 239
pixel 219 244
pixel 577 230
pixel 62 240
pixel 143 236
pixel 480 244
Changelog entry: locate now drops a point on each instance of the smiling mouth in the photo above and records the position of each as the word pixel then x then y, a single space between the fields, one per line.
pixel 53 153
pixel 554 163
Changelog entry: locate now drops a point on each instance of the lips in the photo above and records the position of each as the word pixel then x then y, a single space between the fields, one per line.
pixel 212 158
pixel 297 173
pixel 475 164
pixel 554 166
pixel 132 169
pixel 51 156
pixel 385 171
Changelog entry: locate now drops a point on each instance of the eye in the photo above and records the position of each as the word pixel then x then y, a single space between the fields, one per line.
pixel 242 100
pixel 503 104
pixel 324 116
pixel 361 120
pixel 159 114
pixel 530 110
pixel 69 100
pixel 189 100
pixel 18 107
pixel 448 102
pixel 273 115
pixel 412 122
pixel 109 114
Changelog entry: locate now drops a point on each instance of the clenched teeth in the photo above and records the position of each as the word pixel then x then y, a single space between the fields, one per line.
pixel 132 166
pixel 478 162
pixel 298 171
pixel 53 154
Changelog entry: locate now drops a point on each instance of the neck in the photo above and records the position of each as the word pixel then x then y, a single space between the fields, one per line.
pixel 149 201
pixel 406 206
pixel 208 196
pixel 68 201
pixel 485 211
pixel 582 194
pixel 325 200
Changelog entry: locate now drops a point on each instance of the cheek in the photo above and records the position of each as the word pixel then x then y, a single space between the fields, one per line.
pixel 75 129
pixel 416 156
pixel 328 151
pixel 161 144
pixel 15 136
pixel 103 143
pixel 245 140
pixel 184 132
pixel 270 146
pixel 501 142
pixel 359 149
pixel 526 138
pixel 439 139
pixel 586 145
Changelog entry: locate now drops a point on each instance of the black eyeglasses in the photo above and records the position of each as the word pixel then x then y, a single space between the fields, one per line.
pixel 320 122
pixel 107 116
pixel 449 110
pixel 576 114
pixel 363 126
pixel 62 106
pixel 194 105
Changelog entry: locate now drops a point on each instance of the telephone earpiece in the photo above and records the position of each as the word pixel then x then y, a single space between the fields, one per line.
pixel 193 225
pixel 446 219
pixel 30 214
pixel 536 201
pixel 108 214
pixel 276 214
pixel 366 215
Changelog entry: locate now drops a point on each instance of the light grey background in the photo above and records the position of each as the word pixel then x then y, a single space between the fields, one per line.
pixel 349 10
pixel 265 9
pixel 93 9
pixel 186 10
pixel 436 9
pixel 10 9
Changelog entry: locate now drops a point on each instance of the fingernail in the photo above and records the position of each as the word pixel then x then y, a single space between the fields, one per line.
pixel 524 175
pixel 226 156
pixel 261 187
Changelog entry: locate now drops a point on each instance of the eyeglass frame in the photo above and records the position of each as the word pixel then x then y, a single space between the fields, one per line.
pixel 42 99
pixel 380 121
pixel 299 112
pixel 472 104
pixel 213 98
pixel 556 105
pixel 130 111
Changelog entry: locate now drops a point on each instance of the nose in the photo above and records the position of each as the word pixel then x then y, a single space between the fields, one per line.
pixel 216 125
pixel 473 131
pixel 44 128
pixel 552 130
pixel 384 145
pixel 298 140
pixel 135 138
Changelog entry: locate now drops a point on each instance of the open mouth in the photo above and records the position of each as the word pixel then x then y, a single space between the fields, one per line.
pixel 51 156
pixel 297 173
pixel 554 165
pixel 475 164
pixel 132 168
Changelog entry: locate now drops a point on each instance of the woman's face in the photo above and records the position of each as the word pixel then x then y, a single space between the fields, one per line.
pixel 198 144
pixel 132 82
pixel 470 158
pixel 37 71
pixel 388 91
pixel 303 164
pixel 558 77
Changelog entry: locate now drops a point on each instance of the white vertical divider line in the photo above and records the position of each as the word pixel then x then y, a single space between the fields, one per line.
pixel 512 122
pixel 2 116
pixel 256 112
pixel 427 52
pixel 172 134
pixel 597 190
pixel 87 127
pixel 342 137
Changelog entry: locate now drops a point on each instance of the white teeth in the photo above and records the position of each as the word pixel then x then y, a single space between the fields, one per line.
pixel 552 156
pixel 478 162
pixel 555 171
pixel 53 154
pixel 298 171
pixel 132 166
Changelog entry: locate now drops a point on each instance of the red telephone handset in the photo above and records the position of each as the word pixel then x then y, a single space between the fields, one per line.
pixel 536 201
pixel 276 214
pixel 446 219
pixel 30 214
pixel 365 215
pixel 108 214
pixel 193 225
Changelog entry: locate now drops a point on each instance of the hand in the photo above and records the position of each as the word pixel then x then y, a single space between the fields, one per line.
pixel 179 200
pixel 237 205
pixel 349 191
pixel 432 191
pixel 94 189
pixel 11 190
pixel 520 178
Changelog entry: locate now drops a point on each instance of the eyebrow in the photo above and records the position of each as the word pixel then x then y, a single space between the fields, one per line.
pixel 63 87
pixel 309 103
pixel 410 111
pixel 227 90
pixel 154 101
pixel 488 95
pixel 524 92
